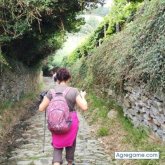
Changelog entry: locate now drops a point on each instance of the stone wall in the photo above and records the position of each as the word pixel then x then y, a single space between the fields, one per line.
pixel 145 109
pixel 17 81
pixel 142 108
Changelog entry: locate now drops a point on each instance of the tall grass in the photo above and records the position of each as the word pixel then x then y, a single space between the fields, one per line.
pixel 139 138
pixel 98 104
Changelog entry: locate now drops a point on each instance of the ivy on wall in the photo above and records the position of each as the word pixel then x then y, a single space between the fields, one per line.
pixel 134 56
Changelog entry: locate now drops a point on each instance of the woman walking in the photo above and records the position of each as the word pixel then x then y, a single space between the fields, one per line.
pixel 73 98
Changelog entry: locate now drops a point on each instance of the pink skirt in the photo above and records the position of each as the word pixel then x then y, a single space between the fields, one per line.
pixel 66 140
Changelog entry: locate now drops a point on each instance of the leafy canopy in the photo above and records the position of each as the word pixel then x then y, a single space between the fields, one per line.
pixel 37 26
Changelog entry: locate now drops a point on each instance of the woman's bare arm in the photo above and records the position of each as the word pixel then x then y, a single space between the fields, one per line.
pixel 44 104
pixel 81 101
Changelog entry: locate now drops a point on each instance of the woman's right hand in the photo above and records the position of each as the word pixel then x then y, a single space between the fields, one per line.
pixel 81 101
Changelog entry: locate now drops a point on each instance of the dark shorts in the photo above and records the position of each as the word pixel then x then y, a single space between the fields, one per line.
pixel 57 154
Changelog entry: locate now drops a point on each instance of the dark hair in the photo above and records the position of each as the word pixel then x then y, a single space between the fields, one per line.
pixel 63 74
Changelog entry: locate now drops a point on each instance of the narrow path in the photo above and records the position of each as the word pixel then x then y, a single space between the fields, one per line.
pixel 88 151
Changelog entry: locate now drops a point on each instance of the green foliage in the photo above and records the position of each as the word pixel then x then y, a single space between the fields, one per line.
pixel 135 135
pixel 36 48
pixel 92 20
pixel 150 63
pixel 37 26
pixel 76 77
pixel 99 105
pixel 121 12
pixel 103 131
pixel 19 17
pixel 137 138
pixel 135 55
pixel 85 49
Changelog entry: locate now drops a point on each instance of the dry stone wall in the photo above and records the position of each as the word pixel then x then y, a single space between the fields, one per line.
pixel 145 109
pixel 15 82
pixel 142 108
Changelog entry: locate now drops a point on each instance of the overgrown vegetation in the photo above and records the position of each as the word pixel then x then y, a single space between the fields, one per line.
pixel 133 56
pixel 122 12
pixel 127 137
pixel 30 30
pixel 92 19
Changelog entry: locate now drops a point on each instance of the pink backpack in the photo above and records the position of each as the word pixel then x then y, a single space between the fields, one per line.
pixel 58 115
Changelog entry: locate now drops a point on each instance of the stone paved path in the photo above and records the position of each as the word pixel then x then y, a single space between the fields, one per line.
pixel 88 149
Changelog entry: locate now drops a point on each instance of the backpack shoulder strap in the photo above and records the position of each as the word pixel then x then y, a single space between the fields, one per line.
pixel 66 91
pixel 53 92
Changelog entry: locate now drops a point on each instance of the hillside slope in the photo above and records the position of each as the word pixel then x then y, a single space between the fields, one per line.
pixel 130 67
pixel 135 55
